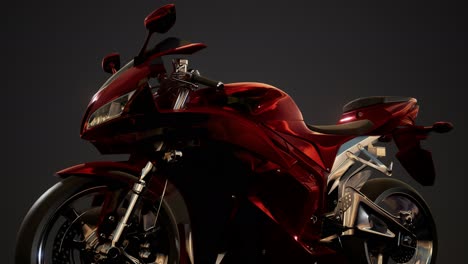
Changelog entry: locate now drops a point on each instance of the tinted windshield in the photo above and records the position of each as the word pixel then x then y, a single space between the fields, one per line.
pixel 117 74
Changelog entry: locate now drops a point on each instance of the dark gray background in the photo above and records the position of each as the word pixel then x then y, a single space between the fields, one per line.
pixel 322 53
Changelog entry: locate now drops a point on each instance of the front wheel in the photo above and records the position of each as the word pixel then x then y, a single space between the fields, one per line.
pixel 66 226
pixel 399 199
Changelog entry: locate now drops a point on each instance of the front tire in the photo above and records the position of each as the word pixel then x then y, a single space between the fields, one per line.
pixel 54 229
pixel 398 198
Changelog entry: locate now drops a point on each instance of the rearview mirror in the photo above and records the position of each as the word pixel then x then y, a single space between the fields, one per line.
pixel 161 20
pixel 111 63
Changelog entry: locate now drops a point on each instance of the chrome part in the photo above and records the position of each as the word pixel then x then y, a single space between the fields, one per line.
pixel 137 190
pixel 180 65
pixel 423 252
pixel 181 99
pixel 220 257
pixel 377 151
pixel 179 75
pixel 158 145
pixel 343 204
pixel 380 258
pixel 338 173
pixel 364 224
pixel 410 249
pixel 351 146
pixel 160 259
pixel 377 165
pixel 189 244
pixel 329 239
pixel 355 180
pixel 123 221
pixel 149 166
pixel 351 215
pixel 90 236
pixel 131 258
pixel 172 155
pixel 314 219
pixel 343 162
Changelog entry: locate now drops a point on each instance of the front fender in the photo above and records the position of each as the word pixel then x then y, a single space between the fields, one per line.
pixel 120 171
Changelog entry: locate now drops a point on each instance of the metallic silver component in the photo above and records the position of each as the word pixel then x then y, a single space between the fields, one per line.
pixel 220 257
pixel 131 258
pixel 161 259
pixel 181 98
pixel 123 222
pixel 329 239
pixel 370 155
pixel 343 162
pixel 171 155
pixel 180 65
pixel 377 151
pixel 343 204
pixel 380 258
pixel 149 166
pixel 351 146
pixel 158 145
pixel 137 189
pixel 364 224
pixel 90 235
pixel 189 246
pixel 351 215
pixel 145 254
pixel 314 219
pixel 145 245
pixel 355 180
pixel 339 171
pixel 377 165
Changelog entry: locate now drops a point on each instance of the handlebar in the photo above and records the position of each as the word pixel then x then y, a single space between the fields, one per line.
pixel 196 77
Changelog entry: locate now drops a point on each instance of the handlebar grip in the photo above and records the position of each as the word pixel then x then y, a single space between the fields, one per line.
pixel 206 81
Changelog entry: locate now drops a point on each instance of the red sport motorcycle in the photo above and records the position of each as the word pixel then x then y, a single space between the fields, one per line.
pixel 231 173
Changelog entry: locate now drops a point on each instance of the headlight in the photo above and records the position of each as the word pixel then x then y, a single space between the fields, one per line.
pixel 109 111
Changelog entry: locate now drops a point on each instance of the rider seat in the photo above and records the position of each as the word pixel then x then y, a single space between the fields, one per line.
pixel 358 127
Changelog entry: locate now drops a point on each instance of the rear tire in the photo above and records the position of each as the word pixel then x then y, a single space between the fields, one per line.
pixel 59 216
pixel 397 197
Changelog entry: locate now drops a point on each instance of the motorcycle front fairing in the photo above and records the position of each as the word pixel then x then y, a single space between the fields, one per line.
pixel 125 101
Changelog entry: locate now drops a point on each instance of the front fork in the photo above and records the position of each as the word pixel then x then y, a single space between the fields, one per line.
pixel 137 189
pixel 111 250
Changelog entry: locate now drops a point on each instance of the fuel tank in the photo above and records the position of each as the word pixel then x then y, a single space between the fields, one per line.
pixel 262 102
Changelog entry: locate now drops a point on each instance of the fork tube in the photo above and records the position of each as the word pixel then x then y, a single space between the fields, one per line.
pixel 138 188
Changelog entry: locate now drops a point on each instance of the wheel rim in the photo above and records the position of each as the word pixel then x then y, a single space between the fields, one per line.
pixel 417 220
pixel 62 239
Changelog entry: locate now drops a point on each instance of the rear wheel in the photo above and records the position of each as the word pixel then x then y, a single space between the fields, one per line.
pixel 399 199
pixel 61 227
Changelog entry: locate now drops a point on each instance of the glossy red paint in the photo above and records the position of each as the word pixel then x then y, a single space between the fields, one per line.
pixel 162 18
pixel 267 123
pixel 261 122
pixel 101 168
pixel 133 78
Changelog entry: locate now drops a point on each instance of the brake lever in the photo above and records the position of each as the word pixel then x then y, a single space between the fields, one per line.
pixel 193 85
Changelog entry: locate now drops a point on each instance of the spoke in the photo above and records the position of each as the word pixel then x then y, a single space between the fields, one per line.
pixel 70 213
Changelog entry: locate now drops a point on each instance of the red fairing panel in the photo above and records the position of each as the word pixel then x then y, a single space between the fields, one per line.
pixel 267 102
pixel 288 164
pixel 134 78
